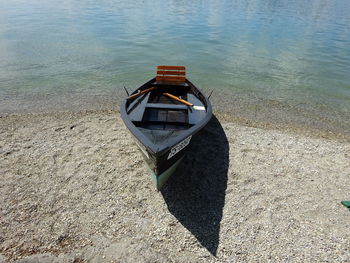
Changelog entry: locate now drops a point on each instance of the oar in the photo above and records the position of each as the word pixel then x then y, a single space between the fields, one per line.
pixel 178 99
pixel 140 93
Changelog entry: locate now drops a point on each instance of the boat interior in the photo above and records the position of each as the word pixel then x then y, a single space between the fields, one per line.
pixel 167 105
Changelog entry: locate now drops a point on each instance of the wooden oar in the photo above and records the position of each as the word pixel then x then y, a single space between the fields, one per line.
pixel 140 93
pixel 178 99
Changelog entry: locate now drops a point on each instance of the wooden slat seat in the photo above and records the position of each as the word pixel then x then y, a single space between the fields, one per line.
pixel 171 74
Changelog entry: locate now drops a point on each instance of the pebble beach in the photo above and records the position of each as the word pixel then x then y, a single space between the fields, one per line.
pixel 74 188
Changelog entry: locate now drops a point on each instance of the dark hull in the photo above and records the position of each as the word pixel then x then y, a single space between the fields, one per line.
pixel 161 168
pixel 162 157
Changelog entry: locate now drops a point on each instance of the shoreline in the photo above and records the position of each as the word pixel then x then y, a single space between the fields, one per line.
pixel 247 120
pixel 244 109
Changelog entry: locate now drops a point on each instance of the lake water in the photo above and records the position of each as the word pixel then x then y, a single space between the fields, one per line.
pixel 289 55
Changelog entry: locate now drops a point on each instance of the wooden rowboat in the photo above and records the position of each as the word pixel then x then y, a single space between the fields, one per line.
pixel 163 115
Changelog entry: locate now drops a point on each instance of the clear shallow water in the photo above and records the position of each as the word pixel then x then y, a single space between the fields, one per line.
pixel 293 52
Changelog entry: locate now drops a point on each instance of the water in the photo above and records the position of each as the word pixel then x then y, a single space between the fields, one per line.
pixel 60 54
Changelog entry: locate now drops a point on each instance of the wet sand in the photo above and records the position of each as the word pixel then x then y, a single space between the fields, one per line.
pixel 74 188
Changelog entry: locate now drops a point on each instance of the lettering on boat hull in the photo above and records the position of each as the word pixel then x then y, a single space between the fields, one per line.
pixel 179 146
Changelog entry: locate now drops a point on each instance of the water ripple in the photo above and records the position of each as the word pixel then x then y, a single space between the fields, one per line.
pixel 288 50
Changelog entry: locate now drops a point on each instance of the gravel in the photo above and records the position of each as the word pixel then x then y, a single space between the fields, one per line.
pixel 74 188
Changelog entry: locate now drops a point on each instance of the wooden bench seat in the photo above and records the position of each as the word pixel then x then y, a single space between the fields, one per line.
pixel 166 106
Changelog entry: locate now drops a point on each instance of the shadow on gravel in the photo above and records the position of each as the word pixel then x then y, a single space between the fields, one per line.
pixel 195 194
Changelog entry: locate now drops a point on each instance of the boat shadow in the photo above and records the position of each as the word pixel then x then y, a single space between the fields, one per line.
pixel 195 194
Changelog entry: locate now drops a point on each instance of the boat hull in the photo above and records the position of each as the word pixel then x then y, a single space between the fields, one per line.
pixel 162 166
pixel 160 179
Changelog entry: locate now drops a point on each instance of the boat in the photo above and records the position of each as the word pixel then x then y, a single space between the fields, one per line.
pixel 164 115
